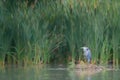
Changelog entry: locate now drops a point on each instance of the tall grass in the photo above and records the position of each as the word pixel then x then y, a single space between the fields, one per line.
pixel 56 30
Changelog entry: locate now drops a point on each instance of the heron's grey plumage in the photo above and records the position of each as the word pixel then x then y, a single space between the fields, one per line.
pixel 87 53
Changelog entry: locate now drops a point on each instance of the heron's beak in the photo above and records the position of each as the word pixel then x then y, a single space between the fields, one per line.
pixel 82 48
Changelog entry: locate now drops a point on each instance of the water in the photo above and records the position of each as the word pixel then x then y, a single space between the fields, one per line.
pixel 54 73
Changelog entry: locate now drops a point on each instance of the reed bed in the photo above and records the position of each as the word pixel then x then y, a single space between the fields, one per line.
pixel 54 31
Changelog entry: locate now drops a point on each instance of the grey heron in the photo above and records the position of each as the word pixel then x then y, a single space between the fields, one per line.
pixel 87 54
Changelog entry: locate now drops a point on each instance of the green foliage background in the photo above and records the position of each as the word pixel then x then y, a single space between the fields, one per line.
pixel 35 31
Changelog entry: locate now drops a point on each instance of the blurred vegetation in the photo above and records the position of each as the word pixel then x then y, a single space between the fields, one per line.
pixel 53 31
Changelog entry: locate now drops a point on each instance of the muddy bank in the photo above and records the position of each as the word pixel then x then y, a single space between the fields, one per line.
pixel 90 69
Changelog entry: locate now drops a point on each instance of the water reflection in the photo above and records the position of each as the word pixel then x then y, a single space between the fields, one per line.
pixel 79 75
pixel 53 73
pixel 88 78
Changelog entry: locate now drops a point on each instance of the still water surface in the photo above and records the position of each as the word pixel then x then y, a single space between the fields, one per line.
pixel 53 73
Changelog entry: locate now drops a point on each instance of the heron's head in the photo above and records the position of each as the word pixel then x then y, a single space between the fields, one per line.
pixel 85 48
